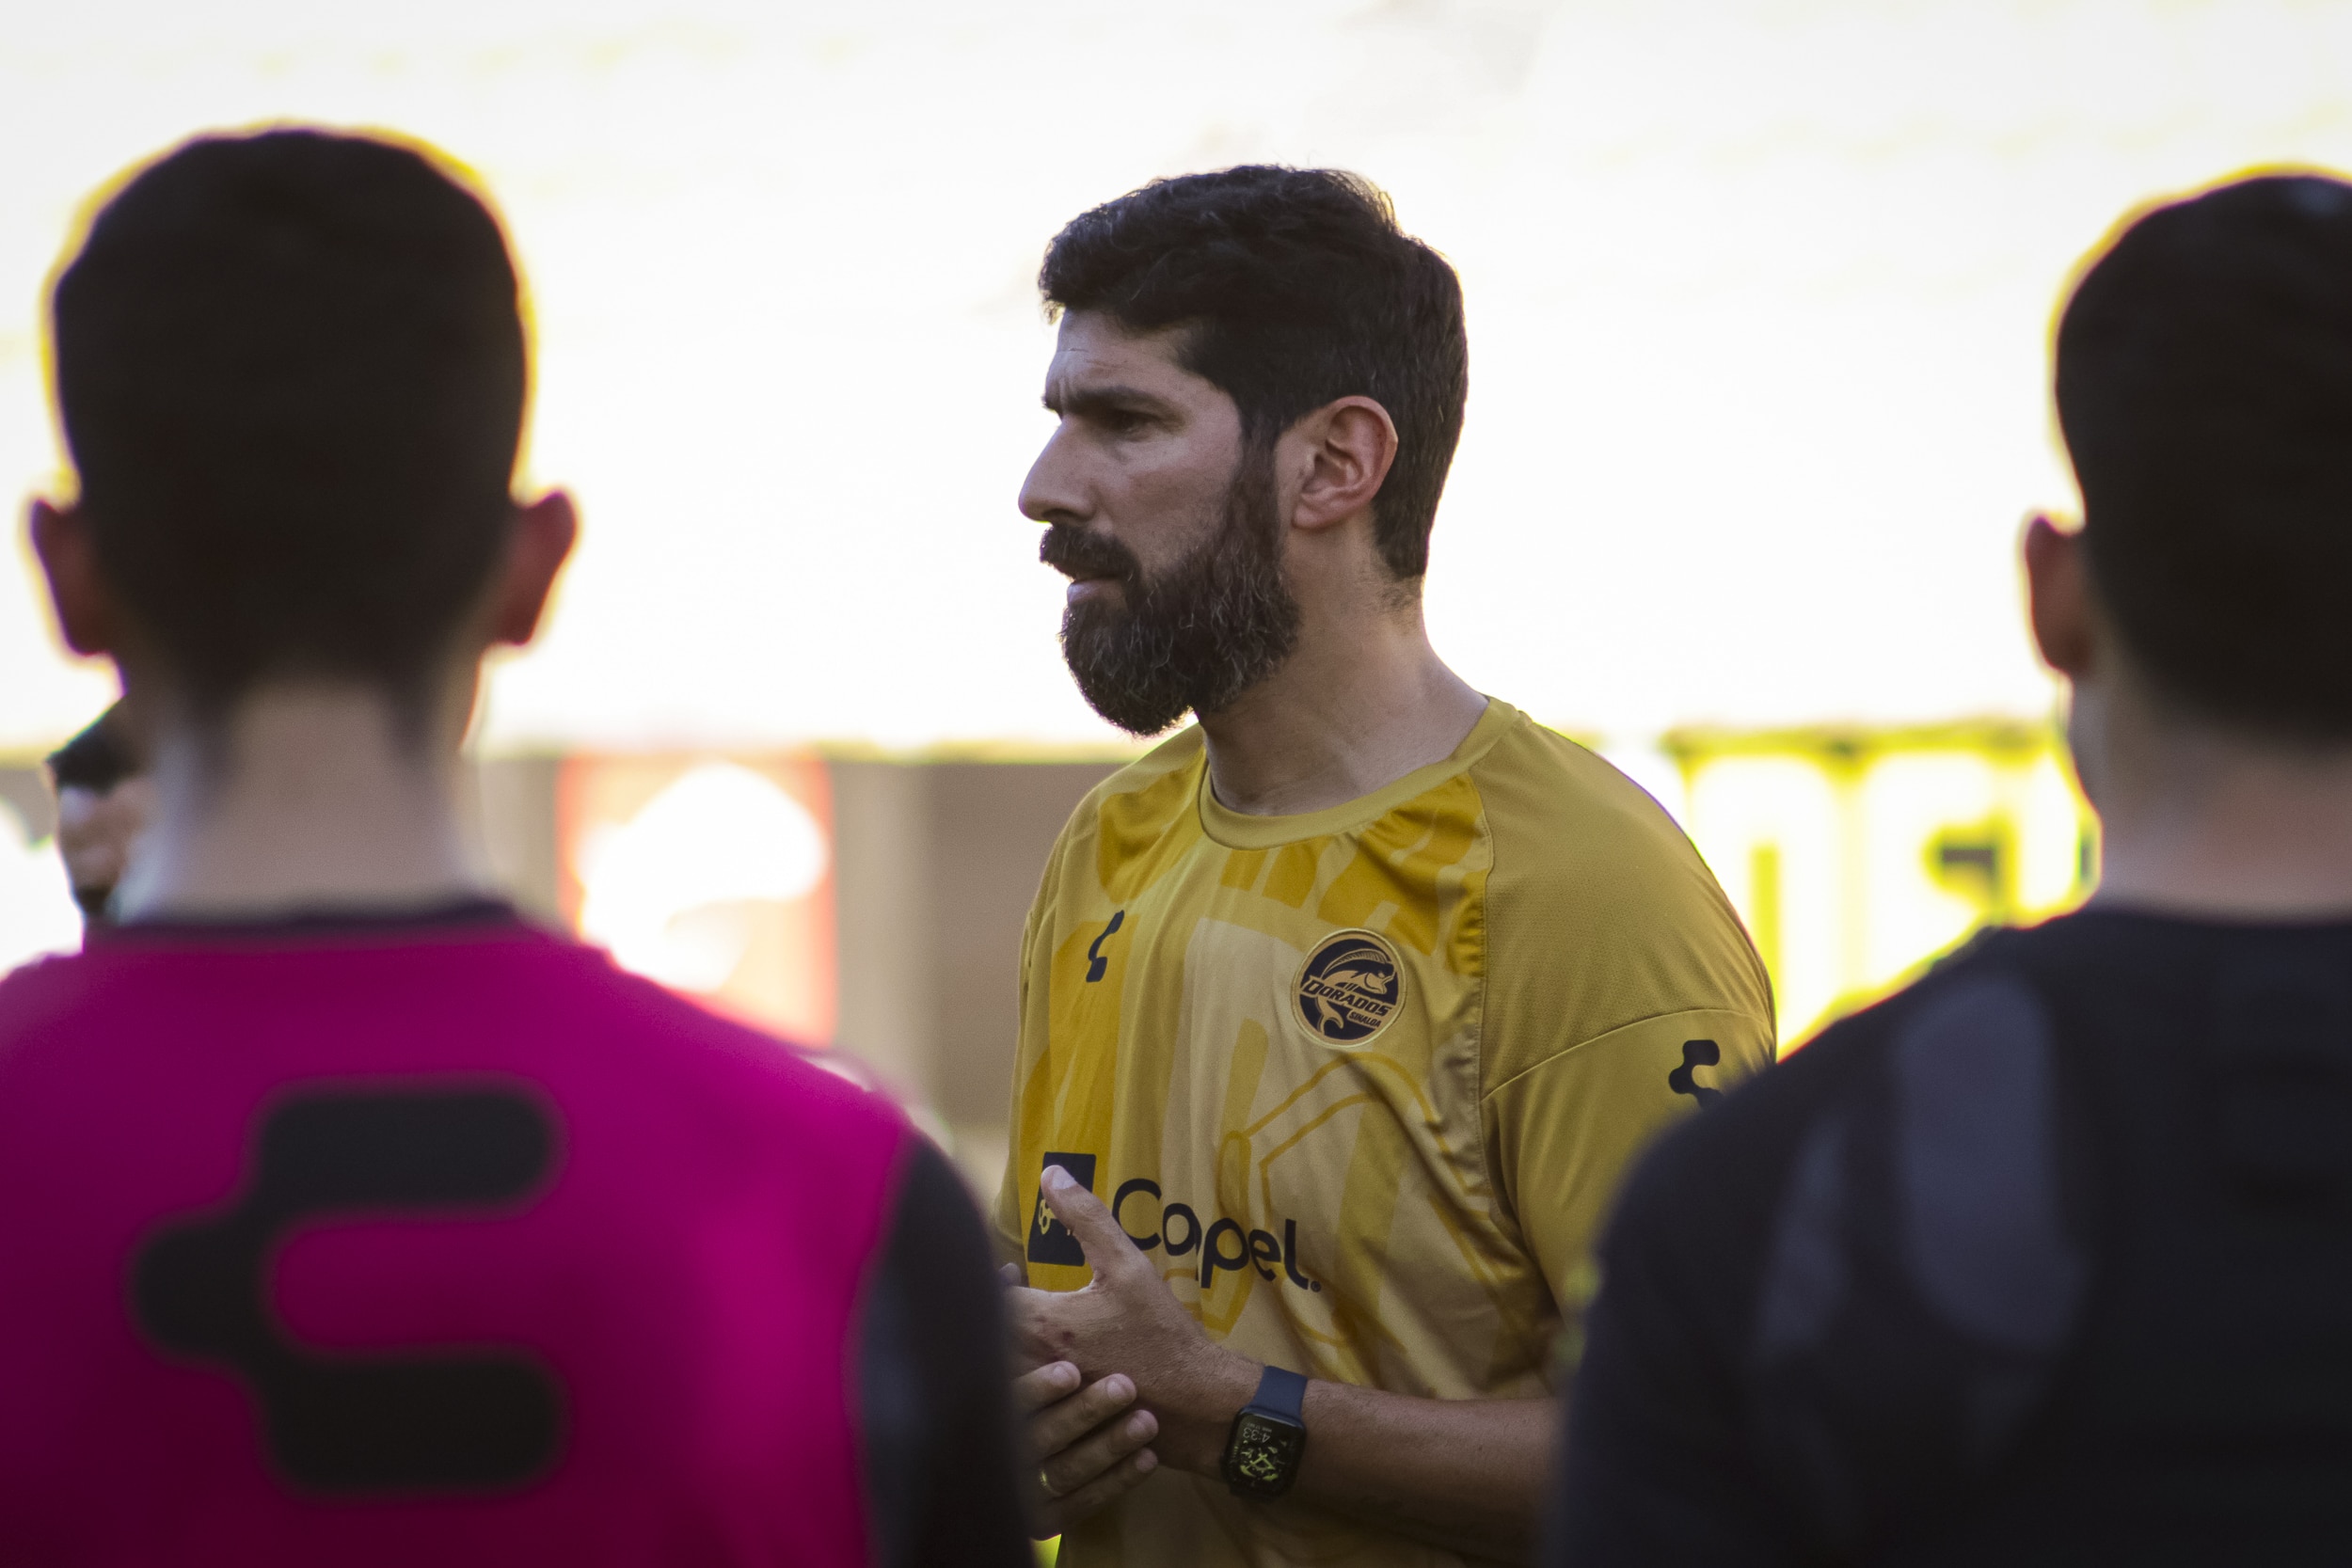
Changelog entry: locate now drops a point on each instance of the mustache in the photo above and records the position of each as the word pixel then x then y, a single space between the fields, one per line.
pixel 1075 553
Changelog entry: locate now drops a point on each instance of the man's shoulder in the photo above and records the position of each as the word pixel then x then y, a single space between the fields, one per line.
pixel 36 992
pixel 1130 816
pixel 1598 904
pixel 1161 781
pixel 726 1052
pixel 623 1027
pixel 1561 815
pixel 513 999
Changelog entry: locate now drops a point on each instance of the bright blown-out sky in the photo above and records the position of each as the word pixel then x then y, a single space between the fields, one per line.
pixel 1759 296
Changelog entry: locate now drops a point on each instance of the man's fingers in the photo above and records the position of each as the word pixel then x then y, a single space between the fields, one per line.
pixel 1077 1466
pixel 1010 1274
pixel 1061 1512
pixel 1055 1427
pixel 1104 1245
pixel 1054 1382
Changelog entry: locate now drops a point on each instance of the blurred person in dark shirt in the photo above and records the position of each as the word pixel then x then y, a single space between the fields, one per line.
pixel 102 804
pixel 2048 1257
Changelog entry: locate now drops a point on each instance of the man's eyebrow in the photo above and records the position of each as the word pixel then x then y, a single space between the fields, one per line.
pixel 1114 398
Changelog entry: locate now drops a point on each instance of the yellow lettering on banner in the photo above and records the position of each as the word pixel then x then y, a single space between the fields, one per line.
pixel 1855 855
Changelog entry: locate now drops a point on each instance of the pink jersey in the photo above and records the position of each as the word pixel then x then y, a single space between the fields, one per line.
pixel 443 1245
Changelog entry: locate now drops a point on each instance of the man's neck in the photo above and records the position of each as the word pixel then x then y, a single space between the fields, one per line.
pixel 1346 715
pixel 306 798
pixel 2203 823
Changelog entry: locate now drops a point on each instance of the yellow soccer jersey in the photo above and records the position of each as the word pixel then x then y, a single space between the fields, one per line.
pixel 1362 1082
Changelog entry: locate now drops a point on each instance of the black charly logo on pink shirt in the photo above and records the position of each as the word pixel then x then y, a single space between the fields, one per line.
pixel 457 1420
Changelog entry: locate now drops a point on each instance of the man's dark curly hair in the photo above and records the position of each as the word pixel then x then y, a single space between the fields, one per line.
pixel 291 370
pixel 2204 386
pixel 1298 288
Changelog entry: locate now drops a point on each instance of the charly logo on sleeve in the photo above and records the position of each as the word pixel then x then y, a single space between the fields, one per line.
pixel 1349 986
pixel 1684 1079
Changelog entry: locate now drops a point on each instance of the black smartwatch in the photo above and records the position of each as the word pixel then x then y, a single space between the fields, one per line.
pixel 1268 1437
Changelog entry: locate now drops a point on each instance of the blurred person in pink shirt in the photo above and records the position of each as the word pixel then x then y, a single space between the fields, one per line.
pixel 344 1217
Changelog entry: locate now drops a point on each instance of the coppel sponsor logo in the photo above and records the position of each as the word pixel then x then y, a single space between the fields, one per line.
pixel 1222 1244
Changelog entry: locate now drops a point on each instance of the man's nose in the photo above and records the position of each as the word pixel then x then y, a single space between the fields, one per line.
pixel 1052 493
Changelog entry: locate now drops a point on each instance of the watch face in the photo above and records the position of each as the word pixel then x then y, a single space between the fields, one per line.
pixel 1264 1454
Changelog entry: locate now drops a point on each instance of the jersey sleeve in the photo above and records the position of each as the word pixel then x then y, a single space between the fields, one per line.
pixel 1564 1133
pixel 1622 994
pixel 1004 1217
pixel 1006 1230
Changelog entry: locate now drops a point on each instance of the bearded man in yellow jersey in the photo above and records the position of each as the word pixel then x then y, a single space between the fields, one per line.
pixel 1343 1011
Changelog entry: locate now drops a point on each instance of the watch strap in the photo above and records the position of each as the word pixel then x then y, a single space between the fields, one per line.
pixel 1280 1392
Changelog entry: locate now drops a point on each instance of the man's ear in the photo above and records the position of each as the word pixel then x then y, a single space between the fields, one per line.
pixel 87 617
pixel 2059 599
pixel 1349 446
pixel 537 547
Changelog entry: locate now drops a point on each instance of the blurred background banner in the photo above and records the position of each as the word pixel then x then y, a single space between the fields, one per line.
pixel 1854 854
pixel 1759 295
pixel 713 875
pixel 839 898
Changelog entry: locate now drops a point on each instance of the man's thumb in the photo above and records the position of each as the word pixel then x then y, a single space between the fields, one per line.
pixel 1106 1246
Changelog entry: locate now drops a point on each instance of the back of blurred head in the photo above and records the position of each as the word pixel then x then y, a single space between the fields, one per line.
pixel 291 370
pixel 2204 387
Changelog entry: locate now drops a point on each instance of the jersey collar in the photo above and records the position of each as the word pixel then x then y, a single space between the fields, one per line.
pixel 1240 831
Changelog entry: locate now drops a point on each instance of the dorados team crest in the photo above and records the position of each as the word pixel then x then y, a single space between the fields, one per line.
pixel 1349 988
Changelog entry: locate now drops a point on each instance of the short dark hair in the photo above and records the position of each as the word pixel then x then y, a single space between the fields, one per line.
pixel 1299 288
pixel 2204 386
pixel 97 759
pixel 291 370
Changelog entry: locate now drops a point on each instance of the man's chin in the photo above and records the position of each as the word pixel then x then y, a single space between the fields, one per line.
pixel 1140 715
pixel 1116 681
pixel 1145 680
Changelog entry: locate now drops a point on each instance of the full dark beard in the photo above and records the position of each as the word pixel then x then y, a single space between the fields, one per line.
pixel 1196 636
